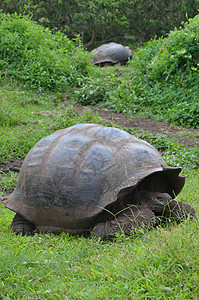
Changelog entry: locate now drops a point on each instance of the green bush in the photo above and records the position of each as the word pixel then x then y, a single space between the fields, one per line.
pixel 92 91
pixel 165 81
pixel 180 50
pixel 169 84
pixel 37 58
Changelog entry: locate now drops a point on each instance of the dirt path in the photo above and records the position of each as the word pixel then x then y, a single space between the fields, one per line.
pixel 189 137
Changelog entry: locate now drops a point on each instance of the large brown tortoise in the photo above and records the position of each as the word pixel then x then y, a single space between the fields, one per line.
pixel 94 179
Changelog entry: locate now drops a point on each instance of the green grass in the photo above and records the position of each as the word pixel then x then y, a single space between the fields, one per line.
pixel 157 264
pixel 27 117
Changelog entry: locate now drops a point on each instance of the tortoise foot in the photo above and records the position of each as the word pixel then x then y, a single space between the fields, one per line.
pixel 178 211
pixel 126 222
pixel 22 226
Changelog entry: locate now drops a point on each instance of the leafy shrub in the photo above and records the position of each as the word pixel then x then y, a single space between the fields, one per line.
pixel 122 98
pixel 165 82
pixel 142 57
pixel 179 50
pixel 183 157
pixel 185 114
pixel 33 55
pixel 92 91
pixel 169 82
pixel 100 86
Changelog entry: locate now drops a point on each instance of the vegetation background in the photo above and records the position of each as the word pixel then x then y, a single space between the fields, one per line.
pixel 44 74
pixel 130 22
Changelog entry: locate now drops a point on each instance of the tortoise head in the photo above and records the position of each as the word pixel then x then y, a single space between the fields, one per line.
pixel 156 201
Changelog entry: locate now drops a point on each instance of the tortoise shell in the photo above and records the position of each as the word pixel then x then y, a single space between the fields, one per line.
pixel 111 53
pixel 70 176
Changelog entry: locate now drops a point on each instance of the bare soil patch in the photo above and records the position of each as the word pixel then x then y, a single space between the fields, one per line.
pixel 189 137
pixel 13 165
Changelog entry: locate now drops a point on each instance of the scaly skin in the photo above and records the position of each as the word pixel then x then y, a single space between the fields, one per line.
pixel 144 214
pixel 22 226
pixel 125 222
pixel 178 211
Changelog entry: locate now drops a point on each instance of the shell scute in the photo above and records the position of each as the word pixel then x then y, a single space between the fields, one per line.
pixel 111 53
pixel 69 177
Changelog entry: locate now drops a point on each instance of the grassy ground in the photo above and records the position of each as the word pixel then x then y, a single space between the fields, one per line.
pixel 158 264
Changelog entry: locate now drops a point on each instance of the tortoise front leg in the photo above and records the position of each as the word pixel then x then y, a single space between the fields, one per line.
pixel 22 226
pixel 178 211
pixel 125 222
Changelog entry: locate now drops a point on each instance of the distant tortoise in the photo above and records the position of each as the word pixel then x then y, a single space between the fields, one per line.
pixel 111 54
pixel 93 179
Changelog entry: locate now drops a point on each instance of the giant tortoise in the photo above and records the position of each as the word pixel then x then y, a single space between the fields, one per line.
pixel 111 54
pixel 94 179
